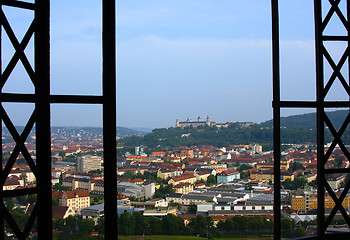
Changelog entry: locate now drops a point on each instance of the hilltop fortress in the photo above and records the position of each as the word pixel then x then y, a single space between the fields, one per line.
pixel 207 122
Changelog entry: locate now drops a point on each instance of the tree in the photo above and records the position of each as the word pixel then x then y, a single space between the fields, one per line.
pixel 125 224
pixel 211 180
pixel 287 183
pixel 164 190
pixel 192 208
pixel 257 223
pixel 201 225
pixel 243 167
pixel 58 224
pixel 172 224
pixel 86 225
pixel 20 218
pixel 71 225
pixel 140 223
pixel 299 182
pixel 287 226
pixel 10 204
pixel 241 222
pixel 296 166
pixel 244 175
pixel 300 232
pixel 155 225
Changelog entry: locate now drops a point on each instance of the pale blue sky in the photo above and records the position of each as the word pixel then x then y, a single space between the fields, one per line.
pixel 178 59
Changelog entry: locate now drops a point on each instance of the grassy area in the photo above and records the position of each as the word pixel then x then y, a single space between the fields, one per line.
pixel 159 237
pixel 243 238
pixel 170 237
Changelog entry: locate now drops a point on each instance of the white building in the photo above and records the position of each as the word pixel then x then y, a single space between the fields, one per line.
pixel 140 151
pixel 150 189
pixel 257 149
pixel 228 176
pixel 27 174
pixel 205 207
pixel 88 163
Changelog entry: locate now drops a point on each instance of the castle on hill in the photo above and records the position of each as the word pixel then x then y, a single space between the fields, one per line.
pixel 207 122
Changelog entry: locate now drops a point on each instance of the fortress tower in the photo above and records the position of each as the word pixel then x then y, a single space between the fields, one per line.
pixel 207 122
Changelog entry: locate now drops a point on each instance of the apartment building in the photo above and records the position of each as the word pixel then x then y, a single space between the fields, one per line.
pixel 77 200
pixel 228 176
pixel 164 173
pixel 92 186
pixel 265 176
pixel 88 163
pixel 335 180
pixel 183 188
pixel 308 201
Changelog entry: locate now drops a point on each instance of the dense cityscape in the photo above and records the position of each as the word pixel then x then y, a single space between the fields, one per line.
pixel 204 191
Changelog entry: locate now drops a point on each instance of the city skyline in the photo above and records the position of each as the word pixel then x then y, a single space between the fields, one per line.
pixel 176 60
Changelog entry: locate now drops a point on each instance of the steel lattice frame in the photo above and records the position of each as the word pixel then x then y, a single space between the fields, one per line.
pixel 323 87
pixel 39 29
pixel 42 99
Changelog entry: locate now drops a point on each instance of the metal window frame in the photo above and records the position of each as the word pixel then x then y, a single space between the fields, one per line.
pixel 320 105
pixel 42 99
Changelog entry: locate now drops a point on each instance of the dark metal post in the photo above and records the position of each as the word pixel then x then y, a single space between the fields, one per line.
pixel 320 119
pixel 276 120
pixel 348 16
pixel 109 116
pixel 42 105
pixel 2 230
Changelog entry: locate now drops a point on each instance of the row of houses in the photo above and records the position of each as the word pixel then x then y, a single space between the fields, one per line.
pixel 92 186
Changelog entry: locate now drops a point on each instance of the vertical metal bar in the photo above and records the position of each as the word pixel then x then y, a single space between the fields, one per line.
pixel 2 227
pixel 42 105
pixel 276 120
pixel 347 18
pixel 320 119
pixel 109 116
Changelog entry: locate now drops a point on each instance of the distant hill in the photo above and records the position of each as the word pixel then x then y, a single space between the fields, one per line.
pixel 145 130
pixel 126 132
pixel 121 131
pixel 308 120
pixel 297 129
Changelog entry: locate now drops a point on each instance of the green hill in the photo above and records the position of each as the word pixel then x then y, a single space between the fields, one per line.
pixel 308 120
pixel 295 129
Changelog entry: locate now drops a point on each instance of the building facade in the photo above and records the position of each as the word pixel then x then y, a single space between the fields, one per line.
pixel 77 200
pixel 228 176
pixel 308 201
pixel 88 163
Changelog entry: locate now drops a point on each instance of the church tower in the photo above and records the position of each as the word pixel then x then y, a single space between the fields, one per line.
pixel 177 123
pixel 207 121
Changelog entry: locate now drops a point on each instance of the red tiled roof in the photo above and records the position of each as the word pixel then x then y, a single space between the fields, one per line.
pixel 136 180
pixel 11 182
pixel 80 193
pixel 158 153
pixel 229 172
pixel 121 196
pixel 183 177
pixel 56 194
